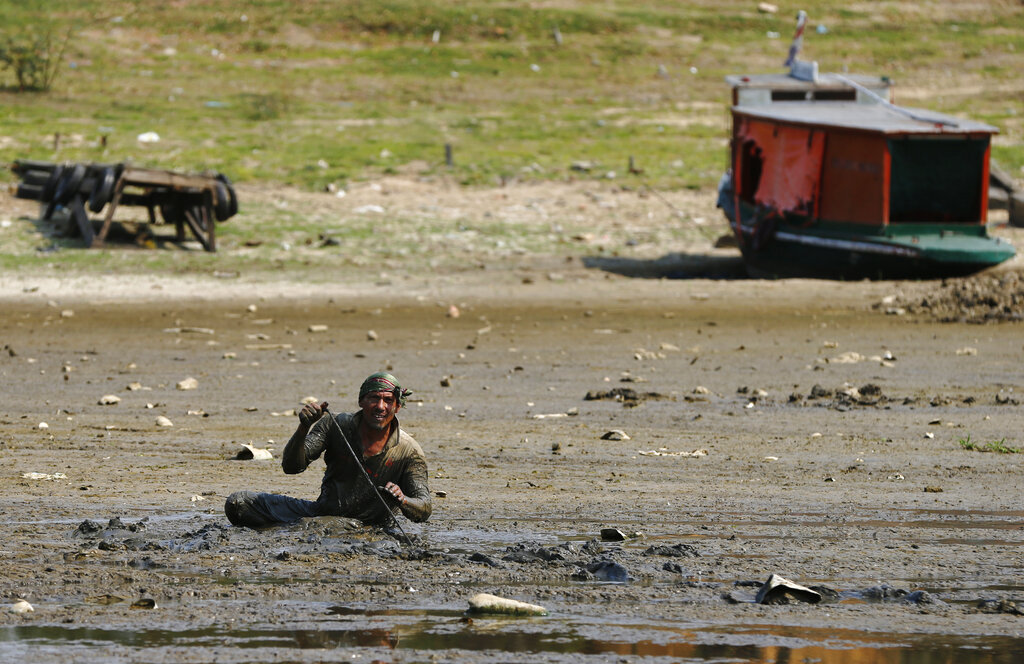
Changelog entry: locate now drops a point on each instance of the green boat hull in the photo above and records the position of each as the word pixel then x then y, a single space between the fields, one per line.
pixel 776 248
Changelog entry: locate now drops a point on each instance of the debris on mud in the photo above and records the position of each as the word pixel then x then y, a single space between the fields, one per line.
pixel 779 590
pixel 487 603
pixel 629 397
pixel 251 453
pixel 987 298
pixel 21 606
pixel 885 592
pixel 999 606
pixel 673 551
pixel 869 395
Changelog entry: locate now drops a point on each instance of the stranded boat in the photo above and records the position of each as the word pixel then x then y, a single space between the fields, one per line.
pixel 830 179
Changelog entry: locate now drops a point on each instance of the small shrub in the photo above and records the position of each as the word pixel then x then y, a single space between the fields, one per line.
pixel 34 56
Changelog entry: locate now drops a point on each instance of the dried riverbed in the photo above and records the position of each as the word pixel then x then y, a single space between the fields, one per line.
pixel 832 434
pixel 816 430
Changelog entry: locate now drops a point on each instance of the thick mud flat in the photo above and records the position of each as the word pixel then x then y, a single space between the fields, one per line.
pixel 728 430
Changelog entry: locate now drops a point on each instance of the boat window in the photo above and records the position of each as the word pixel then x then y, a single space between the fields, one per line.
pixel 937 179
pixel 814 95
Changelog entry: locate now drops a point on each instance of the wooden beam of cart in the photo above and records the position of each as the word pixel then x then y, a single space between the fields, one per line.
pixel 193 195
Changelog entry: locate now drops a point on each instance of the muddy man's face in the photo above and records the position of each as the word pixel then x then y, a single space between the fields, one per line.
pixel 379 409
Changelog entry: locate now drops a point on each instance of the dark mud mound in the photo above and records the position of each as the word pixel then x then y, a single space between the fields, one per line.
pixel 987 298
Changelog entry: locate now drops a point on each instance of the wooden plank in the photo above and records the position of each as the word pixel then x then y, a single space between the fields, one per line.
pixel 82 219
pixel 198 218
pixel 109 217
pixel 154 178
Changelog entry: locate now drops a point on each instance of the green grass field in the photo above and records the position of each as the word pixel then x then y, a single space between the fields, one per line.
pixel 316 92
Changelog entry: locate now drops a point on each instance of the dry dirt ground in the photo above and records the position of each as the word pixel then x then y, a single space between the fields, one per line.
pixel 816 430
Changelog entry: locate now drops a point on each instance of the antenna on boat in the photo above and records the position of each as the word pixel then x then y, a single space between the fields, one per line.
pixel 798 69
pixel 798 39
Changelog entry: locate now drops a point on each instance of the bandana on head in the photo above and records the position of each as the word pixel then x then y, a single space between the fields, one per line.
pixel 384 382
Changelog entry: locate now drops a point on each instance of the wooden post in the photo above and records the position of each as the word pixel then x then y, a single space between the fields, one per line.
pixel 448 161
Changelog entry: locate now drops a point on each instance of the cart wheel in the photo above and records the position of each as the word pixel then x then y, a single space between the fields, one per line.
pixel 102 191
pixel 69 184
pixel 232 198
pixel 50 188
pixel 221 202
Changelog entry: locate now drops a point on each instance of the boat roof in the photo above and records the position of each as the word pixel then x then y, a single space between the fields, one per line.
pixel 880 118
pixel 785 81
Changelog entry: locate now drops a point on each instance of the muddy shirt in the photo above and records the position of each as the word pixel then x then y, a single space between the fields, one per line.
pixel 345 492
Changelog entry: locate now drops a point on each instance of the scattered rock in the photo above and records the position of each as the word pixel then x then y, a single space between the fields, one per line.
pixel 485 559
pixel 250 453
pixel 21 606
pixel 109 400
pixel 999 606
pixel 615 434
pixel 629 397
pixel 674 551
pixel 777 590
pixel 187 384
pixel 607 570
pixel 883 592
pixel 612 535
pixel 162 421
pixel 486 603
pixel 923 597
pixel 44 476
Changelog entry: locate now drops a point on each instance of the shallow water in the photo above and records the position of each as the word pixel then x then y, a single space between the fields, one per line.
pixel 408 634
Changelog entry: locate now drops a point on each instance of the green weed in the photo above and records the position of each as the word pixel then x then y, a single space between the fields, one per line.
pixel 997 446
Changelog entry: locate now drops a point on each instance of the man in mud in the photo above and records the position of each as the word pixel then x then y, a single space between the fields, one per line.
pixel 393 460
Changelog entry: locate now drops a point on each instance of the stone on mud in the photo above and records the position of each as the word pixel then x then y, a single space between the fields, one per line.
pixel 999 606
pixel 487 603
pixel 613 534
pixel 21 606
pixel 485 559
pixel 674 551
pixel 608 570
pixel 250 453
pixel 778 590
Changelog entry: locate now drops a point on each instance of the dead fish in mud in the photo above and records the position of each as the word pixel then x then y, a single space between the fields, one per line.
pixel 486 603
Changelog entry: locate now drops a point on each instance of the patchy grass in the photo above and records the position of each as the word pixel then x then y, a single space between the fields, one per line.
pixel 997 446
pixel 269 90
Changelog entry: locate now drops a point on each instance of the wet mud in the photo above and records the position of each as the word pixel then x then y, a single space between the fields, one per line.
pixel 833 438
